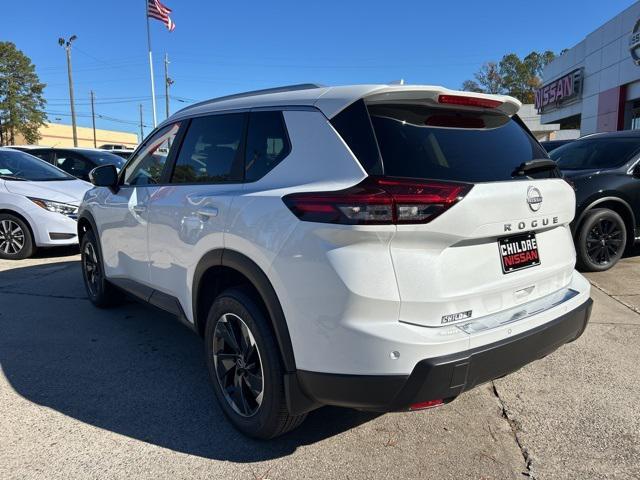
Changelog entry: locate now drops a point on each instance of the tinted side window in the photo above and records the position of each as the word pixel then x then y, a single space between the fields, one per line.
pixel 74 164
pixel 596 153
pixel 147 167
pixel 267 144
pixel 446 144
pixel 210 152
pixel 43 154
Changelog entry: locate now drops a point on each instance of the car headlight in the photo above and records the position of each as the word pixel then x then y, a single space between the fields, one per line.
pixel 58 207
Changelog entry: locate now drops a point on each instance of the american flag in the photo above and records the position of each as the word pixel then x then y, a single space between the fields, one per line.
pixel 157 10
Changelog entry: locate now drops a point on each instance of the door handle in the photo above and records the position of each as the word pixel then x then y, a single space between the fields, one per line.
pixel 139 208
pixel 207 211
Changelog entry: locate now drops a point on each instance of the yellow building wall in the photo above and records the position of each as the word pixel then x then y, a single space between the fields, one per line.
pixel 59 135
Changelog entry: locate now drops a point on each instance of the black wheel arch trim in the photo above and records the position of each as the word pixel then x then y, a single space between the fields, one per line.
pixel 247 267
pixel 86 216
pixel 594 204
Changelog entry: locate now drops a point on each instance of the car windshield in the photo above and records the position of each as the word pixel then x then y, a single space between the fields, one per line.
pixel 596 153
pixel 17 165
pixel 104 158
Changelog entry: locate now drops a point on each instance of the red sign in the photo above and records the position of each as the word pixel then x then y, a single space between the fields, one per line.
pixel 564 88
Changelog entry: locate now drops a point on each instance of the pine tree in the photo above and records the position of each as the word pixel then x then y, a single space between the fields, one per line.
pixel 21 101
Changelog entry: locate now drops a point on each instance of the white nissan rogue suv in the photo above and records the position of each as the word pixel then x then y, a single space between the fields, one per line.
pixel 378 247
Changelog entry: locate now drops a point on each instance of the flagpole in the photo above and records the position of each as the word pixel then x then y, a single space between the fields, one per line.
pixel 153 88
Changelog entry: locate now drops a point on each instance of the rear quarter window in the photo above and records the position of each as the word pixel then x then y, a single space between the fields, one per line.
pixel 267 144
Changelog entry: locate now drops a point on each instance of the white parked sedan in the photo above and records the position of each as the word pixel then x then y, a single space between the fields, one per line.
pixel 38 205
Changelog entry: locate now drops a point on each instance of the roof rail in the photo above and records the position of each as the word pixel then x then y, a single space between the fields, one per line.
pixel 285 88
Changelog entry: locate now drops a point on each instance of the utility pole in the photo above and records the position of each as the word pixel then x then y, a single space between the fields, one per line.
pixel 66 44
pixel 141 126
pixel 167 82
pixel 93 119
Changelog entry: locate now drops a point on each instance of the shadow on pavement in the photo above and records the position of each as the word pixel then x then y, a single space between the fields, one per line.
pixel 132 370
pixel 51 252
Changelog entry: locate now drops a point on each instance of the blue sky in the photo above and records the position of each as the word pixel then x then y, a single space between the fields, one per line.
pixel 226 47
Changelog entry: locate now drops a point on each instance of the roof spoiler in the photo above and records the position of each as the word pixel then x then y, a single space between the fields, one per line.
pixel 433 95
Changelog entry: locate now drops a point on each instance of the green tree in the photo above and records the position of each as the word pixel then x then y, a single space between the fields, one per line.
pixel 512 76
pixel 521 78
pixel 21 101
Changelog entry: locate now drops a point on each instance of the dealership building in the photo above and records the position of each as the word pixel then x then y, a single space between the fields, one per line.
pixel 595 86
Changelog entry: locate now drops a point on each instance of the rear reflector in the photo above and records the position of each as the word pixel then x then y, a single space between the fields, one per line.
pixel 378 201
pixel 468 101
pixel 427 404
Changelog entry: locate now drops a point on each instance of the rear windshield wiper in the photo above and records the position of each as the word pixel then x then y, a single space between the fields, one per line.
pixel 534 166
pixel 12 177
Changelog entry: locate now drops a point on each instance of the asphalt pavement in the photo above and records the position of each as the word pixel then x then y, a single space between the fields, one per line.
pixel 88 393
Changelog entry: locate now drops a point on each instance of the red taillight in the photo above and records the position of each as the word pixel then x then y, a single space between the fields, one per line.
pixel 427 404
pixel 468 101
pixel 378 201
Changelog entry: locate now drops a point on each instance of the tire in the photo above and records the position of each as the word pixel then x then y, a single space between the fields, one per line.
pixel 16 241
pixel 100 292
pixel 238 330
pixel 601 241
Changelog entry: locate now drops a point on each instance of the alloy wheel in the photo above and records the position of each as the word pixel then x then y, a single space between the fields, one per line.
pixel 91 268
pixel 238 365
pixel 604 241
pixel 11 237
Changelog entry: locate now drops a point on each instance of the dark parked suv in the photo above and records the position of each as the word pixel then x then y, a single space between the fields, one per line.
pixel 77 161
pixel 605 171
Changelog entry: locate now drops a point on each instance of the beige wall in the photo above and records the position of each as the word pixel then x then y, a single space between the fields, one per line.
pixel 58 135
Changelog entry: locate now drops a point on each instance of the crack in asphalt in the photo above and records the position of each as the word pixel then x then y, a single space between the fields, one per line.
pixel 615 297
pixel 528 461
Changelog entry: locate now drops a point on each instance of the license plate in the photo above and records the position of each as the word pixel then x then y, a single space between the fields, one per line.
pixel 518 252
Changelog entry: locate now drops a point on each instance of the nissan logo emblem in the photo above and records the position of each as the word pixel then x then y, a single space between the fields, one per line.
pixel 534 199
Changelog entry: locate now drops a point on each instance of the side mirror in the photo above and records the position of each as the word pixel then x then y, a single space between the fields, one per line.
pixel 104 176
pixel 636 171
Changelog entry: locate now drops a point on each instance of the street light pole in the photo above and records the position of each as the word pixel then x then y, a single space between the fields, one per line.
pixel 93 119
pixel 66 44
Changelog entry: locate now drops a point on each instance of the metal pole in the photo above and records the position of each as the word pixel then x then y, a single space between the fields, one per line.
pixel 71 101
pixel 153 87
pixel 141 126
pixel 93 120
pixel 167 82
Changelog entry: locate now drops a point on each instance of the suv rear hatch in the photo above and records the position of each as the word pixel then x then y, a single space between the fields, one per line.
pixel 503 240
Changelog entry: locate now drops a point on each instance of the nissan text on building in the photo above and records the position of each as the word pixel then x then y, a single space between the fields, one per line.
pixel 595 85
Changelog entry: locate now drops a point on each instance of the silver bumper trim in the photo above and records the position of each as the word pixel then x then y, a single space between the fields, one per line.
pixel 518 313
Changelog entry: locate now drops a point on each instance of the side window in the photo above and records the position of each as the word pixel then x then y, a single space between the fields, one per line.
pixel 146 168
pixel 267 144
pixel 73 164
pixel 42 154
pixel 210 150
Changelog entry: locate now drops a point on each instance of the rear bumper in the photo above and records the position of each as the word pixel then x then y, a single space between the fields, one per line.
pixel 448 376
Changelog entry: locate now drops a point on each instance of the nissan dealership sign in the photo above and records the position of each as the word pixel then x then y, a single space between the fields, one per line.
pixel 568 87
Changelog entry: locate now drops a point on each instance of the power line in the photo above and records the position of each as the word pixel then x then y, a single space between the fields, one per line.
pixel 88 115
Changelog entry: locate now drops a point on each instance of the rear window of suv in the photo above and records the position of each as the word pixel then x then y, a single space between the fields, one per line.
pixel 425 142
pixel 419 141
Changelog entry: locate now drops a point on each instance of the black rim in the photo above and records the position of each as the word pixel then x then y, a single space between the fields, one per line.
pixel 604 241
pixel 238 365
pixel 91 268
pixel 11 237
